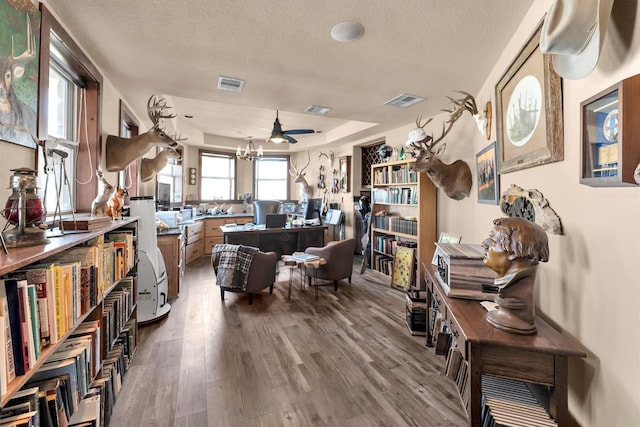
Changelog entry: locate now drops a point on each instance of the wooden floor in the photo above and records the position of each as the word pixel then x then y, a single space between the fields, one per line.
pixel 346 359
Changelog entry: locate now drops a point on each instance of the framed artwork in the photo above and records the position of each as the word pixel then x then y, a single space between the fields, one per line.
pixel 529 110
pixel 445 238
pixel 487 175
pixel 345 173
pixel 402 276
pixel 20 50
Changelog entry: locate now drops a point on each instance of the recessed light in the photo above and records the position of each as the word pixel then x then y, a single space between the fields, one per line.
pixel 347 31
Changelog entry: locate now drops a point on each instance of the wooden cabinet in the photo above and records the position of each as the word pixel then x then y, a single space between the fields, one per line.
pixel 194 241
pixel 172 248
pixel 403 212
pixel 486 351
pixel 109 289
pixel 212 232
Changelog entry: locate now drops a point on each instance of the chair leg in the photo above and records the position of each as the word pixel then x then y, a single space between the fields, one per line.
pixel 250 298
pixel 335 285
pixel 309 281
pixel 349 278
pixel 271 289
pixel 222 293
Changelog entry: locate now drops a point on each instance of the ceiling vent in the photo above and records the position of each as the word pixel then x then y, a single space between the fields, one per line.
pixel 404 101
pixel 230 84
pixel 314 109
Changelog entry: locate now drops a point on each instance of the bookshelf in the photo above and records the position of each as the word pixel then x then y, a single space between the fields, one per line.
pixel 409 200
pixel 98 297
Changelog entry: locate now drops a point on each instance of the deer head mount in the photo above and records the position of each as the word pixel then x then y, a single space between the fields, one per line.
pixel 119 152
pixel 305 189
pixel 150 167
pixel 455 178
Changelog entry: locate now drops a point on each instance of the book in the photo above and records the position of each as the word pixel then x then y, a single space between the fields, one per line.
pixel 86 222
pixel 27 326
pixel 10 289
pixel 65 371
pixel 88 413
pixel 304 257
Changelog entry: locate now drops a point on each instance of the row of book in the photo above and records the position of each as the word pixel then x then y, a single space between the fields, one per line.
pixel 396 195
pixel 383 264
pixel 75 387
pixel 385 244
pixel 457 369
pixel 405 226
pixel 398 174
pixel 41 303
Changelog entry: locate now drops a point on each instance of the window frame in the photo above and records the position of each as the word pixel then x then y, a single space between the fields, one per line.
pixel 76 63
pixel 254 186
pixel 235 173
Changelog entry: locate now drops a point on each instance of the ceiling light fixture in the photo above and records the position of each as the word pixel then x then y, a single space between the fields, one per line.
pixel 347 31
pixel 277 136
pixel 249 153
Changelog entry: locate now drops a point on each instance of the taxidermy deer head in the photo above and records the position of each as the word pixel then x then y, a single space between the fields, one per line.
pixel 119 152
pixel 305 188
pixel 455 178
pixel 150 167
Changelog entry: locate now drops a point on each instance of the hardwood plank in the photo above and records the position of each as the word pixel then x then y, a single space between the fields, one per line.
pixel 343 359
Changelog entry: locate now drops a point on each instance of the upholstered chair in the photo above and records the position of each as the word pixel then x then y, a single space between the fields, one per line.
pixel 262 273
pixel 339 257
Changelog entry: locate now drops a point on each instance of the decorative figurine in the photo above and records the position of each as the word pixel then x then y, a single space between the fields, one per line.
pixel 513 249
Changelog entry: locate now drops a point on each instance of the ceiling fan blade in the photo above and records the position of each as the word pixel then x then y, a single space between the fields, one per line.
pixel 298 131
pixel 290 139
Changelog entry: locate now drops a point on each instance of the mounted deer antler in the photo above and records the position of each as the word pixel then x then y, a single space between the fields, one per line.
pixel 119 152
pixel 455 178
pixel 305 189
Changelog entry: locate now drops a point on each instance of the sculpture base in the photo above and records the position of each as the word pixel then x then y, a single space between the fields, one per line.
pixel 506 320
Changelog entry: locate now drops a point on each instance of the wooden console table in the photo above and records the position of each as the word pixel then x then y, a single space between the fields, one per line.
pixel 538 359
pixel 283 241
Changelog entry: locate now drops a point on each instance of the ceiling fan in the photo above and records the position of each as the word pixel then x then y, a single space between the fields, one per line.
pixel 279 136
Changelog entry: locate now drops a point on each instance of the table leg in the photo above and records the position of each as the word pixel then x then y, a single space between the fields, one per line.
pixel 291 270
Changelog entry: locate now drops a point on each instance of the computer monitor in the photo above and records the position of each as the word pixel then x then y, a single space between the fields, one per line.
pixel 312 208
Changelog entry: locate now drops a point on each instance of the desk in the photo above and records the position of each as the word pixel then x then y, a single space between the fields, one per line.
pixel 282 241
pixel 538 359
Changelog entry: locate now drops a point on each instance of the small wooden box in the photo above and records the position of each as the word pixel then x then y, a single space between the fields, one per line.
pixel 416 313
pixel 461 272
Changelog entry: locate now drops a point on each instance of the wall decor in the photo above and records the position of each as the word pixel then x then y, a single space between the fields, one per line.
pixel 530 205
pixel 19 53
pixel 487 175
pixel 529 110
pixel 345 173
pixel 610 135
pixel 403 261
pixel 192 176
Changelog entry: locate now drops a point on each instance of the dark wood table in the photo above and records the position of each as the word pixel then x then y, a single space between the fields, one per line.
pixel 538 359
pixel 283 241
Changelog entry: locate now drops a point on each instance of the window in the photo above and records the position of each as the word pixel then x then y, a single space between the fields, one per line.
pixel 271 178
pixel 60 151
pixel 218 176
pixel 171 174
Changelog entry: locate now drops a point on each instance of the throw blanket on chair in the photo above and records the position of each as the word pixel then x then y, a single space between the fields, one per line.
pixel 233 265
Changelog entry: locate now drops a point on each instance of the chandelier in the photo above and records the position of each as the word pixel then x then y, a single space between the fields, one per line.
pixel 249 153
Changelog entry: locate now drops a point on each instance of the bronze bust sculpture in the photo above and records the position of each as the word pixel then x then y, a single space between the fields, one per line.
pixel 513 249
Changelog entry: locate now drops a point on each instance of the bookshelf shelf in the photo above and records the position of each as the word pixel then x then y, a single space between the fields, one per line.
pixel 403 212
pixel 87 301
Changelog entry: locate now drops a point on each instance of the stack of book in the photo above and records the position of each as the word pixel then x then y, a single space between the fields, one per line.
pixel 86 222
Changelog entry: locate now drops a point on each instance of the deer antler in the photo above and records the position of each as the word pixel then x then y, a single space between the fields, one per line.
pixel 30 51
pixel 468 103
pixel 156 110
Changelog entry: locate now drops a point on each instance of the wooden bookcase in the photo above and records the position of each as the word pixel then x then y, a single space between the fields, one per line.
pixel 410 200
pixel 18 258
pixel 539 360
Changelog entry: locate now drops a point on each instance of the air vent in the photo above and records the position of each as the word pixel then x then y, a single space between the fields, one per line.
pixel 230 84
pixel 314 109
pixel 403 101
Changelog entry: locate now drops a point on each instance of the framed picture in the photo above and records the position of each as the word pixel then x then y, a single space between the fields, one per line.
pixel 487 174
pixel 445 238
pixel 345 173
pixel 402 276
pixel 20 29
pixel 529 110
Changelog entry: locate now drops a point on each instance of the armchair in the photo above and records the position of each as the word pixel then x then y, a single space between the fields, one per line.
pixel 262 273
pixel 339 257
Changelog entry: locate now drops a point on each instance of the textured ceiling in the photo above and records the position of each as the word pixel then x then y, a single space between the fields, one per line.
pixel 284 52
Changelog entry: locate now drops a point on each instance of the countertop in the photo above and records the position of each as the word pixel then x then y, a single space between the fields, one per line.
pixel 179 230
